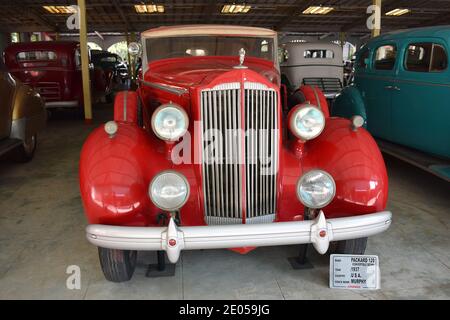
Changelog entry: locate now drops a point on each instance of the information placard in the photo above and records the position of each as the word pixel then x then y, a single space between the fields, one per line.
pixel 354 272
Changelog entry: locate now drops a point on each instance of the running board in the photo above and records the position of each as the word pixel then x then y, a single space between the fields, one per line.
pixel 8 144
pixel 434 165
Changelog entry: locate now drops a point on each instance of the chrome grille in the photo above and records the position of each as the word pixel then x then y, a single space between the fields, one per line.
pixel 49 91
pixel 223 162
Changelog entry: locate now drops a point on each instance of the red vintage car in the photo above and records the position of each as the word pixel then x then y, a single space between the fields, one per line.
pixel 207 154
pixel 53 68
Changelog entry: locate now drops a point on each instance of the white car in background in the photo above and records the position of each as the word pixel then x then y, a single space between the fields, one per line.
pixel 315 64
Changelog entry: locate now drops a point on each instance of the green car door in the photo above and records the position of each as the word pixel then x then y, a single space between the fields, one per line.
pixel 376 85
pixel 420 108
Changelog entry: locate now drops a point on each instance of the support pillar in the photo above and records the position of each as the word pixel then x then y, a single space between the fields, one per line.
pixel 85 63
pixel 376 31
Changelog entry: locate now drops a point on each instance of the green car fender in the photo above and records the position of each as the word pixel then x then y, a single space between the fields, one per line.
pixel 349 103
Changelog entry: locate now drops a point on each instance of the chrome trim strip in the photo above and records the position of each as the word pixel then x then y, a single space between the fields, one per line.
pixel 177 91
pixel 62 104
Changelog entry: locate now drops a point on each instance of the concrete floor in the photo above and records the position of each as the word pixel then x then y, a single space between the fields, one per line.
pixel 42 233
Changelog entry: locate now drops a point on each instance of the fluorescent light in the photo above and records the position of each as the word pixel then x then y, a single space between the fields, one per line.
pixel 297 41
pixel 149 8
pixel 398 12
pixel 318 10
pixel 60 9
pixel 236 8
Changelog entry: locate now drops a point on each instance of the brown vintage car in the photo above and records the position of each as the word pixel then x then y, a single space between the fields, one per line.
pixel 22 115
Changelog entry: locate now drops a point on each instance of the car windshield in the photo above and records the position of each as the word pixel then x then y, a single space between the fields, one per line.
pixel 201 46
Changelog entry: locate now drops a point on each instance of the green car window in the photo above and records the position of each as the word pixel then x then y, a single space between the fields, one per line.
pixel 426 57
pixel 385 57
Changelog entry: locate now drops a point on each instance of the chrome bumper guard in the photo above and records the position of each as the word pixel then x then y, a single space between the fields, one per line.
pixel 173 239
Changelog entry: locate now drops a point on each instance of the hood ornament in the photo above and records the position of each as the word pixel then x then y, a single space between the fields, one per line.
pixel 241 59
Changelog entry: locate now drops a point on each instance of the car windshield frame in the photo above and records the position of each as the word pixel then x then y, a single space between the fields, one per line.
pixel 226 47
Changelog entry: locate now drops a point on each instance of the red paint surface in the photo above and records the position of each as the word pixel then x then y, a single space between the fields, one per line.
pixel 126 106
pixel 319 100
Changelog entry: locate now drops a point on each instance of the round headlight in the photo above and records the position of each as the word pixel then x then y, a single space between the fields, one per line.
pixel 170 122
pixel 316 189
pixel 169 190
pixel 307 122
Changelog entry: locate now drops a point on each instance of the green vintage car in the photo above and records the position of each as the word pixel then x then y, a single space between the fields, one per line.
pixel 402 89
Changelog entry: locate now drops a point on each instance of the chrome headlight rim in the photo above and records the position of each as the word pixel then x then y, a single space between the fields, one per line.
pixel 188 190
pixel 293 116
pixel 182 112
pixel 304 177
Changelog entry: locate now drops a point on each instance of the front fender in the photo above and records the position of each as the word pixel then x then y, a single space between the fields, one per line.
pixel 349 103
pixel 28 114
pixel 115 174
pixel 352 158
pixel 355 162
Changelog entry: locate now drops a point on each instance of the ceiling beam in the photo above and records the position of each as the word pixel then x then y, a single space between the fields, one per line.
pixel 33 14
pixel 210 11
pixel 300 6
pixel 439 20
pixel 119 10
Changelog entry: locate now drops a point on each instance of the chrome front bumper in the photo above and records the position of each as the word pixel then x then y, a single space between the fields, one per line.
pixel 62 104
pixel 173 239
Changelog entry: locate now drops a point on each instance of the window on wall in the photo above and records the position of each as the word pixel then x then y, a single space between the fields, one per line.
pixel 426 57
pixel 78 58
pixel 15 37
pixel 120 48
pixel 318 54
pixel 34 37
pixel 385 57
pixel 94 46
pixel 362 62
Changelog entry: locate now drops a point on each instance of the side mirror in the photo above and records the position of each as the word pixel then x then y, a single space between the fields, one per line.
pixel 134 49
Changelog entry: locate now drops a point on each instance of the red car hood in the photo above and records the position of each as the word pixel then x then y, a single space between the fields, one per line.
pixel 196 71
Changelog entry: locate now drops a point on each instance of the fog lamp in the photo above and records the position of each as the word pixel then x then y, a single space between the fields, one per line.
pixel 169 190
pixel 316 189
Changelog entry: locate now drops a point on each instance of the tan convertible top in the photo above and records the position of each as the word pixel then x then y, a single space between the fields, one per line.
pixel 208 29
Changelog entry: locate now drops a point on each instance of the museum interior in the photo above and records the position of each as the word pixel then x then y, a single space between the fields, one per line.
pixel 225 150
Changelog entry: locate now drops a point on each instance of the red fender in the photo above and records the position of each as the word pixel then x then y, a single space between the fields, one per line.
pixel 126 107
pixel 316 97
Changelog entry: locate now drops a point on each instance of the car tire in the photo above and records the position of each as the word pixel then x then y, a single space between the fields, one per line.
pixel 25 152
pixel 117 265
pixel 353 246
